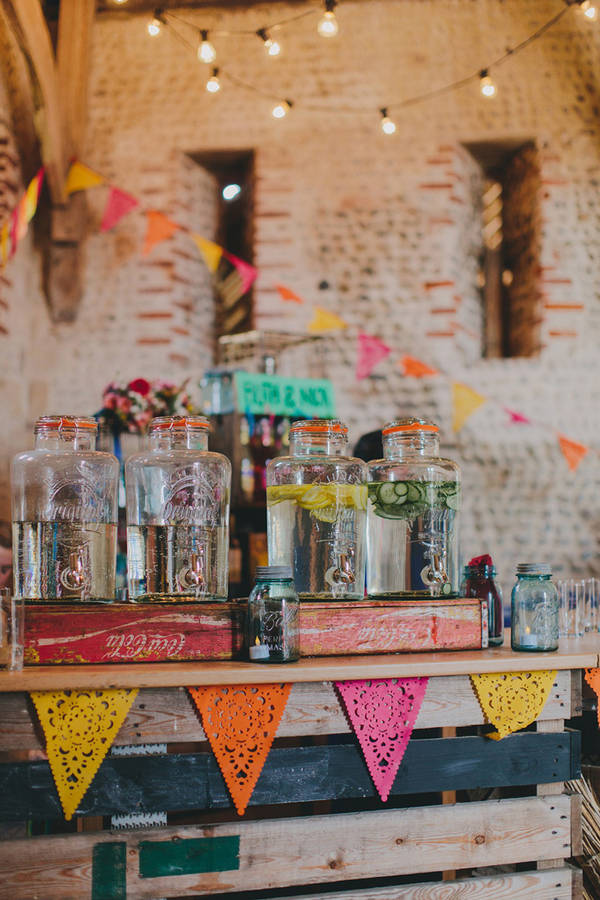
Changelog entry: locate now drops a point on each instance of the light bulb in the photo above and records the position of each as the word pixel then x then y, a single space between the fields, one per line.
pixel 387 125
pixel 328 26
pixel 206 51
pixel 272 48
pixel 231 191
pixel 486 85
pixel 154 26
pixel 589 10
pixel 213 84
pixel 281 109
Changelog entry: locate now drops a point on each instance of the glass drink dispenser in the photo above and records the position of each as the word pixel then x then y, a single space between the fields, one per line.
pixel 412 529
pixel 64 510
pixel 178 515
pixel 316 512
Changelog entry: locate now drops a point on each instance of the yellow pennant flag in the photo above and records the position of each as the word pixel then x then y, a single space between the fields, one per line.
pixel 512 700
pixel 4 245
pixel 211 252
pixel 81 177
pixel 80 727
pixel 323 320
pixel 464 403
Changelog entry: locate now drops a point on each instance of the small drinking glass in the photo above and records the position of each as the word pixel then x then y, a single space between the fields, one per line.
pixel 12 626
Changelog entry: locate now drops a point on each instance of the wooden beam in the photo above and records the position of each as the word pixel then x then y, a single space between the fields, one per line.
pixel 37 46
pixel 73 50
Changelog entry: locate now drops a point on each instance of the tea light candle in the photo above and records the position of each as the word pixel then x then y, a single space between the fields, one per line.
pixel 259 651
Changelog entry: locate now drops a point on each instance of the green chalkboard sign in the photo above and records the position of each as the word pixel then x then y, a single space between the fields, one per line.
pixel 260 394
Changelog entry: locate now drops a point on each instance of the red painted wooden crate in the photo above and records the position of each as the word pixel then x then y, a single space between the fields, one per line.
pixel 125 632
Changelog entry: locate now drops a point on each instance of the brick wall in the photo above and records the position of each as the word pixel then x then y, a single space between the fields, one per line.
pixel 381 230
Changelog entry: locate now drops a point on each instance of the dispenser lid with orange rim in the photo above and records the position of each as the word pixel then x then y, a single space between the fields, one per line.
pixel 319 427
pixel 410 425
pixel 64 423
pixel 172 423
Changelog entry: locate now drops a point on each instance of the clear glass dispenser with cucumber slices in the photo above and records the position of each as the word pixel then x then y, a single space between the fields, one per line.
pixel 316 512
pixel 412 515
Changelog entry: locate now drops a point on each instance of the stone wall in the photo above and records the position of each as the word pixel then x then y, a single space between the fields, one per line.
pixel 381 230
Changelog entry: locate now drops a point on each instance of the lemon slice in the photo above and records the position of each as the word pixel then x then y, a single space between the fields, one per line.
pixel 329 514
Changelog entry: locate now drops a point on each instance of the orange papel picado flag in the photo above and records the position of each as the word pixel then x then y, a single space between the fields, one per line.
pixel 464 403
pixel 240 721
pixel 79 727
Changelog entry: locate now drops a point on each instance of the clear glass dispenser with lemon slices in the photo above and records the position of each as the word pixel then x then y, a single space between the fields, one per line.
pixel 316 512
pixel 412 519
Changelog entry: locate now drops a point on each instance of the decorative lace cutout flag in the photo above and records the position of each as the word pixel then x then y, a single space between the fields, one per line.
pixel 240 722
pixel 512 700
pixel 286 294
pixel 382 714
pixel 79 727
pixel 592 676
pixel 246 272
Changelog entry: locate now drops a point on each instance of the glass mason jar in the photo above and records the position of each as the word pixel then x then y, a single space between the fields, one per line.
pixel 412 518
pixel 534 609
pixel 479 582
pixel 316 512
pixel 273 611
pixel 178 515
pixel 64 511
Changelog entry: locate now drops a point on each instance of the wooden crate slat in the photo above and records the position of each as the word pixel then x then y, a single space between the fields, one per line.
pixel 167 714
pixel 550 885
pixel 314 850
pixel 181 782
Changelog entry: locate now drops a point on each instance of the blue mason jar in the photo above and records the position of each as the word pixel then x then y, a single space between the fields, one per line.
pixel 534 609
pixel 272 634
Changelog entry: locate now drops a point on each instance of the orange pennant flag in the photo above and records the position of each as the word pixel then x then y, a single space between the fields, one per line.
pixel 240 721
pixel 158 229
pixel 211 252
pixel 286 294
pixel 572 451
pixel 414 368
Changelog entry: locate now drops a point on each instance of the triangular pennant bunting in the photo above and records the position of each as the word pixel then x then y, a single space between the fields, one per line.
pixel 81 177
pixel 246 272
pixel 4 245
pixel 464 403
pixel 323 320
pixel 240 722
pixel 211 253
pixel 414 368
pixel 517 418
pixel 512 700
pixel 572 451
pixel 158 228
pixel 592 676
pixel 370 352
pixel 382 714
pixel 32 195
pixel 286 294
pixel 118 205
pixel 79 727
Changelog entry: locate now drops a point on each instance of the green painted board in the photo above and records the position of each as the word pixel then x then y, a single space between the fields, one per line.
pixel 189 857
pixel 279 396
pixel 109 871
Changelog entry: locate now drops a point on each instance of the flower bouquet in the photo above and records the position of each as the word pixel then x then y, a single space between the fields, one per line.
pixel 130 408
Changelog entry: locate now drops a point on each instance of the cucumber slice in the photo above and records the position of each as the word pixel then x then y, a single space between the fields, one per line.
pixel 453 501
pixel 415 492
pixel 386 493
pixel 446 588
pixel 401 489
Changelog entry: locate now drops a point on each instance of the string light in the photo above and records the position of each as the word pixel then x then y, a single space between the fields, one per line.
pixel 486 85
pixel 213 84
pixel 281 109
pixel 155 24
pixel 387 125
pixel 206 51
pixel 272 47
pixel 589 10
pixel 328 25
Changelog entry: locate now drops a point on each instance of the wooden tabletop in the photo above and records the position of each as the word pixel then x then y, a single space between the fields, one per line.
pixel 573 653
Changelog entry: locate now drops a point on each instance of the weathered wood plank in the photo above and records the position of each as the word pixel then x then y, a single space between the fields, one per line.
pixel 160 715
pixel 181 782
pixel 556 885
pixel 73 53
pixel 286 852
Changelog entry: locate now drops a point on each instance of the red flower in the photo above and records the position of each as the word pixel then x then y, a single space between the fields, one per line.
pixel 140 386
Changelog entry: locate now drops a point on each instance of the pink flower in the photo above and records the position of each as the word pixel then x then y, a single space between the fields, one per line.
pixel 123 404
pixel 110 400
pixel 140 386
pixel 143 419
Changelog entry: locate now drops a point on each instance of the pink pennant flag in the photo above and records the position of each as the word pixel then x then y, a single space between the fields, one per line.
pixel 517 418
pixel 382 714
pixel 247 272
pixel 118 205
pixel 370 352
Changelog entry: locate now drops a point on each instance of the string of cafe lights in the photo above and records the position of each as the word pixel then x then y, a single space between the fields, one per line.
pixel 328 27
